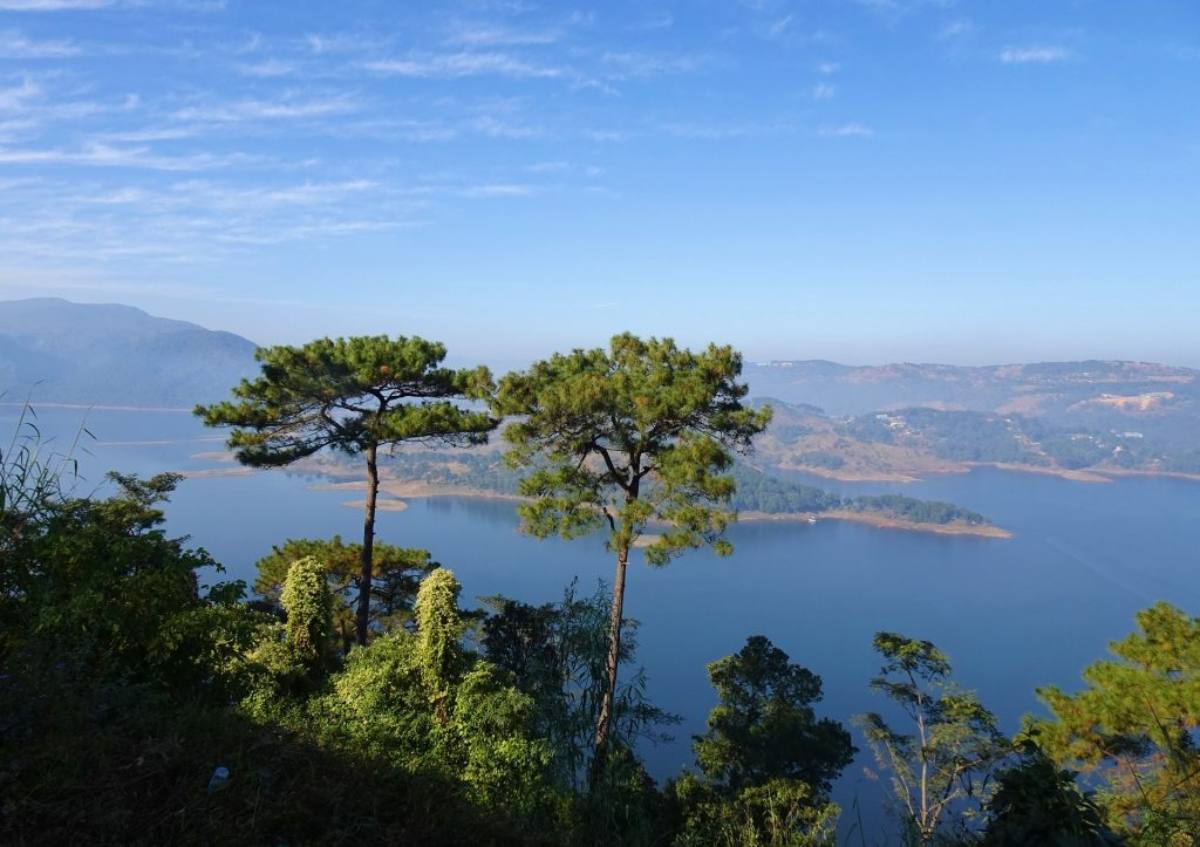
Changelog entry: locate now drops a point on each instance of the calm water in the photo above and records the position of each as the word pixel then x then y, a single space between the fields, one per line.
pixel 1012 615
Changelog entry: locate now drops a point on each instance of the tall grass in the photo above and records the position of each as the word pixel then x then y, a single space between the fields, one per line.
pixel 33 473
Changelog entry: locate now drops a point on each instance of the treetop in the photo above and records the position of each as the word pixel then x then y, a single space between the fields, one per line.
pixel 351 394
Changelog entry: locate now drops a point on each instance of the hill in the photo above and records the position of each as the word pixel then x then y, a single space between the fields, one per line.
pixel 1055 390
pixel 1094 440
pixel 109 354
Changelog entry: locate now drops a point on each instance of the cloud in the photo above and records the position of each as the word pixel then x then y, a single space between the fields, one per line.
pixel 628 65
pixel 53 5
pixel 464 64
pixel 823 91
pixel 496 128
pixel 498 190
pixel 828 68
pixel 779 27
pixel 719 132
pixel 956 29
pixel 96 154
pixel 663 21
pixel 1034 55
pixel 847 130
pixel 14 45
pixel 490 35
pixel 606 135
pixel 266 69
pixel 268 110
pixel 18 96
pixel 306 194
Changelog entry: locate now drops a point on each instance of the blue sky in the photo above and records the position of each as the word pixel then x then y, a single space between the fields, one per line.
pixel 860 180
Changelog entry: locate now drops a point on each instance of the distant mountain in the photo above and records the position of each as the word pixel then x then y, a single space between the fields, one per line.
pixel 1048 389
pixel 114 355
pixel 1083 420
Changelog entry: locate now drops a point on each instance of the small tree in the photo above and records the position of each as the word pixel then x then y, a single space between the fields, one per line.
pixel 355 395
pixel 764 726
pixel 956 739
pixel 621 437
pixel 768 761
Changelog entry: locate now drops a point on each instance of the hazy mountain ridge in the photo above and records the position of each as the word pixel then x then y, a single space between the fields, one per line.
pixel 62 352
pixel 1043 388
pixel 914 442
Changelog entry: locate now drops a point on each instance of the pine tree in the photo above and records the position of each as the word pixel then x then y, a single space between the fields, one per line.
pixel 354 395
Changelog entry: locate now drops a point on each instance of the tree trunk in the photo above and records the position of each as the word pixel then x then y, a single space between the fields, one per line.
pixel 604 720
pixel 368 545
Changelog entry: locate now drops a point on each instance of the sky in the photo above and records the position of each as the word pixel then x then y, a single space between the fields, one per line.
pixel 857 180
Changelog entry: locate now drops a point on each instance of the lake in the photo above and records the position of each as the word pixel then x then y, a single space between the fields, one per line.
pixel 1012 615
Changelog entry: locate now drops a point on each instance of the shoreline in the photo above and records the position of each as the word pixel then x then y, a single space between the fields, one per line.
pixel 1091 476
pixel 878 521
pixel 398 491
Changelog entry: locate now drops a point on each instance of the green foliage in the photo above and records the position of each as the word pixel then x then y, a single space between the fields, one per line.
pixel 764 727
pixel 32 475
pixel 912 509
pixel 424 703
pixel 1134 729
pixel 349 394
pixel 556 654
pixel 776 813
pixel 604 421
pixel 439 630
pixel 99 580
pixel 396 573
pixel 761 492
pixel 309 605
pixel 938 772
pixel 353 395
pixel 594 425
pixel 767 760
pixel 1037 803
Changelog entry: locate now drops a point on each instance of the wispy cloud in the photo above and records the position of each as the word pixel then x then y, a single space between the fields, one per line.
pixel 506 189
pixel 266 69
pixel 492 35
pixel 53 5
pixel 721 131
pixel 494 127
pixel 847 130
pixel 629 64
pixel 955 29
pixel 17 97
pixel 662 21
pixel 287 108
pixel 1034 55
pixel 823 91
pixel 464 64
pixel 15 45
pixel 95 154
